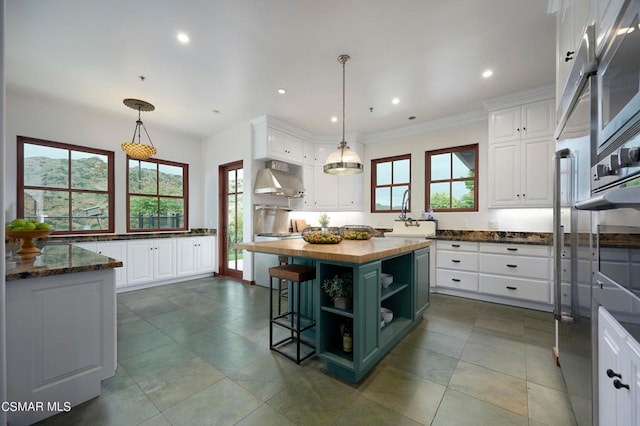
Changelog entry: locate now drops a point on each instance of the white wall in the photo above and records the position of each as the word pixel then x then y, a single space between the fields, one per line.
pixel 28 115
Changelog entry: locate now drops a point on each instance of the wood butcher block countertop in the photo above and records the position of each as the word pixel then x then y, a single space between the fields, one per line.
pixel 347 251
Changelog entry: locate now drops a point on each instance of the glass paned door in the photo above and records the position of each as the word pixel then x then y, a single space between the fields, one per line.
pixel 231 214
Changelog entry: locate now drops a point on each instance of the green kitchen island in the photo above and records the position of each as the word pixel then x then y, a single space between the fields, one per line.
pixel 407 260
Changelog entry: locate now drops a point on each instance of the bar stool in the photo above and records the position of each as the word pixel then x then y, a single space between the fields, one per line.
pixel 292 318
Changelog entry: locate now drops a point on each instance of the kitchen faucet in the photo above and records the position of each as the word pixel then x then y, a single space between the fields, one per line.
pixel 405 205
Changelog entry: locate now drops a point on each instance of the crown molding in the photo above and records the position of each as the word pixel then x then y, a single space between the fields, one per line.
pixel 441 123
pixel 515 99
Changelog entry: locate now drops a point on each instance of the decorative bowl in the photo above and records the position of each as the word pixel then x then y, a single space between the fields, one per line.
pixel 386 314
pixel 317 235
pixel 386 280
pixel 361 233
pixel 27 246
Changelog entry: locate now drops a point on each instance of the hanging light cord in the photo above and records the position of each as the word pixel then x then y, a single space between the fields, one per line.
pixel 343 60
pixel 139 124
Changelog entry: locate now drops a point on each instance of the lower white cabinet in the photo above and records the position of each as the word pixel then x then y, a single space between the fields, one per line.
pixel 195 255
pixel 149 260
pixel 618 373
pixel 115 250
pixel 515 274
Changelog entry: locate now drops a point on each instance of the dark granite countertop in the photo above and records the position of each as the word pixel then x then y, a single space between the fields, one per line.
pixel 58 260
pixel 66 239
pixel 506 237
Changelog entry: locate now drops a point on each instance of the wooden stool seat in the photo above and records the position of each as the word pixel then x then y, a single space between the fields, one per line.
pixel 291 272
pixel 292 320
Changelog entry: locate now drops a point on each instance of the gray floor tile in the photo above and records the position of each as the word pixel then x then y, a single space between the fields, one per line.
pixel 422 362
pixel 142 343
pixel 462 410
pixel 495 358
pixel 265 416
pixel 436 342
pixel 541 398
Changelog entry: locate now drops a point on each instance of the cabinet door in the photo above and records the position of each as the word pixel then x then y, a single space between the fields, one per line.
pixel 321 151
pixel 140 261
pixel 564 44
pixel 207 254
pixel 294 150
pixel 165 258
pixel 421 268
pixel 276 144
pixel 308 153
pixel 116 250
pixel 504 175
pixel 537 176
pixel 325 190
pixel 611 341
pixel 538 119
pixel 631 360
pixel 186 249
pixel 504 125
pixel 368 311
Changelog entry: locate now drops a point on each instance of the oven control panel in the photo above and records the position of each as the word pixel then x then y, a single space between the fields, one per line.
pixel 619 166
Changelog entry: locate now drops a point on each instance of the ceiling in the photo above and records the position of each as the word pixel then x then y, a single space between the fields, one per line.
pixel 430 54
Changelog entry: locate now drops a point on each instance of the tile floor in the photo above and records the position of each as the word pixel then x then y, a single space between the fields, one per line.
pixel 196 353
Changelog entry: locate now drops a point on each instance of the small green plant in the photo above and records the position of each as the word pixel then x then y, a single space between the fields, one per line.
pixel 324 220
pixel 339 286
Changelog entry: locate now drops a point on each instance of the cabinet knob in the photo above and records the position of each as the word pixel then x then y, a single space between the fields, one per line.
pixel 611 374
pixel 518 129
pixel 569 55
pixel 618 384
pixel 524 128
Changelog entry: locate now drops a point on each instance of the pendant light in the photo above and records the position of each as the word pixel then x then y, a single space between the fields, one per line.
pixel 138 150
pixel 344 161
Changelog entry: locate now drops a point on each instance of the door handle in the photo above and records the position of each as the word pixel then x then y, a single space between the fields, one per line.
pixel 455 260
pixel 618 384
pixel 512 248
pixel 511 265
pixel 511 288
pixel 611 374
pixel 455 280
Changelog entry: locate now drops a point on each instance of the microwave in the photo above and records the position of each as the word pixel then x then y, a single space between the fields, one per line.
pixel 619 78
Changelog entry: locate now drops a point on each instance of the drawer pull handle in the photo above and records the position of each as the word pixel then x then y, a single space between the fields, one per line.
pixel 511 265
pixel 511 288
pixel 455 245
pixel 512 248
pixel 455 260
pixel 455 280
pixel 611 374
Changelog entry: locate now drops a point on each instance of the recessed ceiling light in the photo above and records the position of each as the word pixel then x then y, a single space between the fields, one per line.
pixel 395 101
pixel 282 91
pixel 183 38
pixel 487 73
pixel 334 119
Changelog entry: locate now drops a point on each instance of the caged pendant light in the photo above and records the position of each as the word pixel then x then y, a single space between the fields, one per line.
pixel 343 161
pixel 138 150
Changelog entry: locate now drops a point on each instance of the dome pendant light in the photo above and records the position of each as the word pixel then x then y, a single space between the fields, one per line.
pixel 343 161
pixel 138 150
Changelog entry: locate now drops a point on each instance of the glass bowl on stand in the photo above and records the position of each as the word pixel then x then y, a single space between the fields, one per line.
pixel 28 249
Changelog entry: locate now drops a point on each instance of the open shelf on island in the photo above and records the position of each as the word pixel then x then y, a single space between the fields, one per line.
pixel 339 357
pixel 344 312
pixel 391 290
pixel 392 329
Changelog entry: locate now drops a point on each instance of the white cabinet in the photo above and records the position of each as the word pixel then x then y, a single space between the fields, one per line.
pixel 572 19
pixel 325 190
pixel 113 249
pixel 272 143
pixel 195 255
pixel 457 265
pixel 149 260
pixel 309 154
pixel 618 373
pixel 520 156
pixel 606 15
pixel 516 271
pixel 530 120
pixel 321 151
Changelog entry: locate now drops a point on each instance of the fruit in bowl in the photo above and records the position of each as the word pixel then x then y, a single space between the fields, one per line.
pixel 357 235
pixel 317 235
pixel 27 225
pixel 27 230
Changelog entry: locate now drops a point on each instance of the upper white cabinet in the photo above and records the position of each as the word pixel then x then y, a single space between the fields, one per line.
pixel 520 155
pixel 606 15
pixel 572 19
pixel 274 143
pixel 526 121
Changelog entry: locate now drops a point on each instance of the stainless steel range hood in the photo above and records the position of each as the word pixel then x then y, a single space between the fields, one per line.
pixel 275 179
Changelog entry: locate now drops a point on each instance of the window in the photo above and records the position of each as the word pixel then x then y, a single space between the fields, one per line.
pixel 157 195
pixel 390 179
pixel 452 179
pixel 68 186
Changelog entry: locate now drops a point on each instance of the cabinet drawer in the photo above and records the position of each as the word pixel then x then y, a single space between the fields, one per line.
pixel 460 261
pixel 537 291
pixel 515 249
pixel 516 266
pixel 456 279
pixel 456 245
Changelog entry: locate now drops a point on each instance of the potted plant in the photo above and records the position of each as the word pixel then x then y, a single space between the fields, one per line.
pixel 323 220
pixel 340 289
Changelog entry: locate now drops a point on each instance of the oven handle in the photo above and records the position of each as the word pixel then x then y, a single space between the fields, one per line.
pixel 617 198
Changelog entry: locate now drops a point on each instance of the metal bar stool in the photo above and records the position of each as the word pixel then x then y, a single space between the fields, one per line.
pixel 292 319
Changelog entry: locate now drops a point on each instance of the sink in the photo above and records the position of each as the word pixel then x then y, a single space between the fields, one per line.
pixel 426 228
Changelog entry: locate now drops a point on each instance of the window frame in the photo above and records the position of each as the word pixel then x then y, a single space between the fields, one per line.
pixel 184 197
pixel 374 178
pixel 428 181
pixel 110 192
